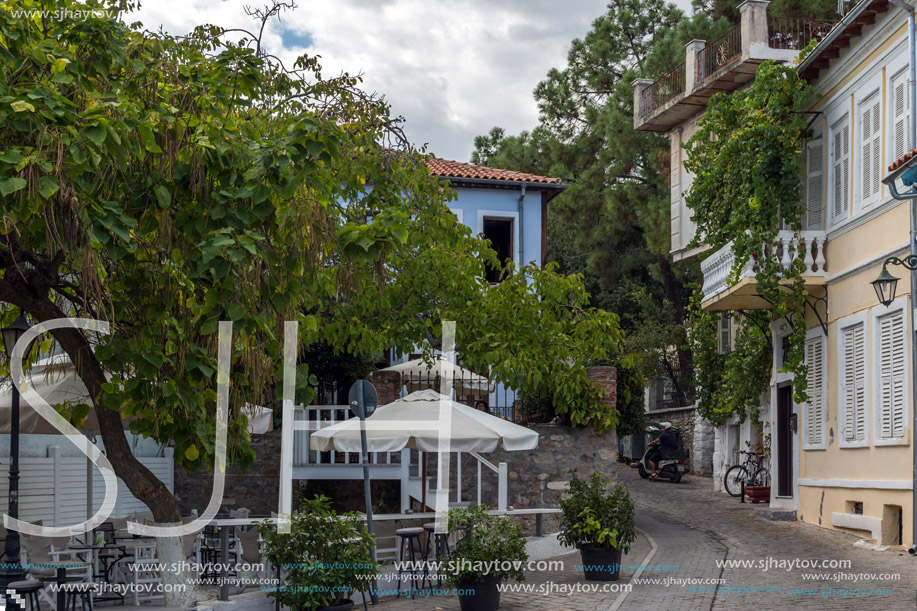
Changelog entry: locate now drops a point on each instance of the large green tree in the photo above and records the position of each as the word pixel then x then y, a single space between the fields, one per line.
pixel 163 184
pixel 612 224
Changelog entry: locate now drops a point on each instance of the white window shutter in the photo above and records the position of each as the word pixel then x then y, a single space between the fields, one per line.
pixel 860 369
pixel 854 388
pixel 866 161
pixel 815 414
pixel 876 147
pixel 814 191
pixel 840 170
pixel 870 142
pixel 901 118
pixel 892 360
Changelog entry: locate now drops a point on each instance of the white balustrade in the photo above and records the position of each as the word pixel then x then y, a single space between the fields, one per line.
pixel 788 247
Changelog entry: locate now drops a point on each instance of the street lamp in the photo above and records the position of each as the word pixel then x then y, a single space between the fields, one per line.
pixel 886 284
pixel 12 569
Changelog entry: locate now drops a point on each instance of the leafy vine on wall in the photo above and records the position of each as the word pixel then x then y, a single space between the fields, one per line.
pixel 745 159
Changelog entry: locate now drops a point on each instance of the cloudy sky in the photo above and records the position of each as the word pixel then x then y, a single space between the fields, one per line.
pixel 452 68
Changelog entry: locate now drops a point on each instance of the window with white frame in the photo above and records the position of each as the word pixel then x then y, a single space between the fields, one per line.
pixel 899 102
pixel 814 438
pixel 725 333
pixel 870 148
pixel 852 373
pixel 839 154
pixel 891 378
pixel 815 158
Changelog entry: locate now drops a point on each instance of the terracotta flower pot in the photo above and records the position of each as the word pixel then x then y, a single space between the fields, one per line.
pixel 758 494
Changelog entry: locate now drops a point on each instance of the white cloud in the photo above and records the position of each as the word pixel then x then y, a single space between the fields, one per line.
pixel 452 68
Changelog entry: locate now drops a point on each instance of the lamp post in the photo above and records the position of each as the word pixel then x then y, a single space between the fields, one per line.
pixel 12 568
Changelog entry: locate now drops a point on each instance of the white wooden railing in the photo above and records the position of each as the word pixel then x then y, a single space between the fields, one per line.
pixel 324 416
pixel 787 248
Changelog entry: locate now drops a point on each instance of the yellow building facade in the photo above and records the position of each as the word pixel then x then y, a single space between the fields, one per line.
pixel 844 460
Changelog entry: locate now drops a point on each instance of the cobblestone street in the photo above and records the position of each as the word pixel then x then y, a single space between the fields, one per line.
pixel 695 528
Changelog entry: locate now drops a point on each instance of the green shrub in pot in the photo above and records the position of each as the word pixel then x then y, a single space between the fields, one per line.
pixel 491 550
pixel 597 522
pixel 323 558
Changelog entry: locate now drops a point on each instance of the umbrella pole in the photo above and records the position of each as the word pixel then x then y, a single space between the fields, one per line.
pixel 423 483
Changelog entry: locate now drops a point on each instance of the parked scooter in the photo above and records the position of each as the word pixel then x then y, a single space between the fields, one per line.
pixel 671 465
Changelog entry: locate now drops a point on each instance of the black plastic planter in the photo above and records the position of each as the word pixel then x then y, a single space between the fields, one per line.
pixel 600 563
pixel 483 596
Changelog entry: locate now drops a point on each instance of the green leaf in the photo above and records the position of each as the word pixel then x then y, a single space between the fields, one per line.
pixel 96 134
pixel 162 196
pixel 11 185
pixel 21 106
pixel 192 453
pixel 11 157
pixel 48 187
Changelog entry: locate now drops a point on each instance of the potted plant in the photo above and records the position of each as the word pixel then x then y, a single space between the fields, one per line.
pixel 599 523
pixel 325 557
pixel 757 488
pixel 491 550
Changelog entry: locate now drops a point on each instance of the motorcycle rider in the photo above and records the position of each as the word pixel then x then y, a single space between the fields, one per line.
pixel 666 439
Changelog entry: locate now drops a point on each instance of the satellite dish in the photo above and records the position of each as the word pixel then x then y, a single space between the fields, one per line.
pixel 363 399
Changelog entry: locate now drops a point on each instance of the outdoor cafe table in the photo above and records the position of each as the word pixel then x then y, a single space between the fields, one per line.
pixel 224 524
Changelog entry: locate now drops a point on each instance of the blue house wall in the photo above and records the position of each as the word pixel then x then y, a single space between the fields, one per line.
pixel 473 204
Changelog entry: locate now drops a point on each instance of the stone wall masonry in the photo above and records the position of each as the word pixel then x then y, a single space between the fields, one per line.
pixel 255 489
pixel 685 419
pixel 538 478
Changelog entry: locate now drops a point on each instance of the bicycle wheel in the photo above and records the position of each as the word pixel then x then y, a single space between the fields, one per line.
pixel 762 477
pixel 734 478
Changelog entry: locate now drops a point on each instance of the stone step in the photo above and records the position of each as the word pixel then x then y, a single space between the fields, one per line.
pixel 776 514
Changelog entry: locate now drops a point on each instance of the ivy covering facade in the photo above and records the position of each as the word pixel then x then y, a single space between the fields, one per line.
pixel 745 159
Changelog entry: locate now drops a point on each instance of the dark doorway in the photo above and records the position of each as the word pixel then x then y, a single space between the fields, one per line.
pixel 784 441
pixel 500 233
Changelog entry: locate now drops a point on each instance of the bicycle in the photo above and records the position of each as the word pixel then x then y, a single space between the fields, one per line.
pixel 752 472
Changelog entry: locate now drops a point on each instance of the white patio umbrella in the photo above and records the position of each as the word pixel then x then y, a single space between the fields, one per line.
pixel 414 422
pixel 419 372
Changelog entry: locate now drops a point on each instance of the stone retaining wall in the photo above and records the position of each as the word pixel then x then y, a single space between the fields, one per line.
pixel 539 477
pixel 696 435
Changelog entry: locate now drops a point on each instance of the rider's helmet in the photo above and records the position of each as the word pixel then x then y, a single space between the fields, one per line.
pixel 665 425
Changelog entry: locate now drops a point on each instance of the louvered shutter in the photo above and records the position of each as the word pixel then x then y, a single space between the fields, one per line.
pixel 871 131
pixel 854 400
pixel 814 191
pixel 840 169
pixel 901 118
pixel 815 415
pixel 891 375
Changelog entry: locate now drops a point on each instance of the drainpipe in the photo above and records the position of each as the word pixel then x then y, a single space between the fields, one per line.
pixel 912 61
pixel 522 226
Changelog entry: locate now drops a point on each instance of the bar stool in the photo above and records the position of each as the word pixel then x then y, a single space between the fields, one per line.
pixel 28 589
pixel 81 590
pixel 409 536
pixel 439 549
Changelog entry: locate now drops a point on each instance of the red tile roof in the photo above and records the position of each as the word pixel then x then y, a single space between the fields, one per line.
pixel 904 159
pixel 446 168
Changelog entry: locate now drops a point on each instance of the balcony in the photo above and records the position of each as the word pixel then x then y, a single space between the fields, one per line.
pixel 725 291
pixel 724 64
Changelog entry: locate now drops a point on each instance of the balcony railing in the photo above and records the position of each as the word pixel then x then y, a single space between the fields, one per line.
pixel 718 53
pixel 786 249
pixel 663 90
pixel 796 34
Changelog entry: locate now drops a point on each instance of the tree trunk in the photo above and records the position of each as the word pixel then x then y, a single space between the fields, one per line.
pixel 672 288
pixel 139 480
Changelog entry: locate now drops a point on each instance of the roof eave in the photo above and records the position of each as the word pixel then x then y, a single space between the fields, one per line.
pixel 514 184
pixel 832 35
